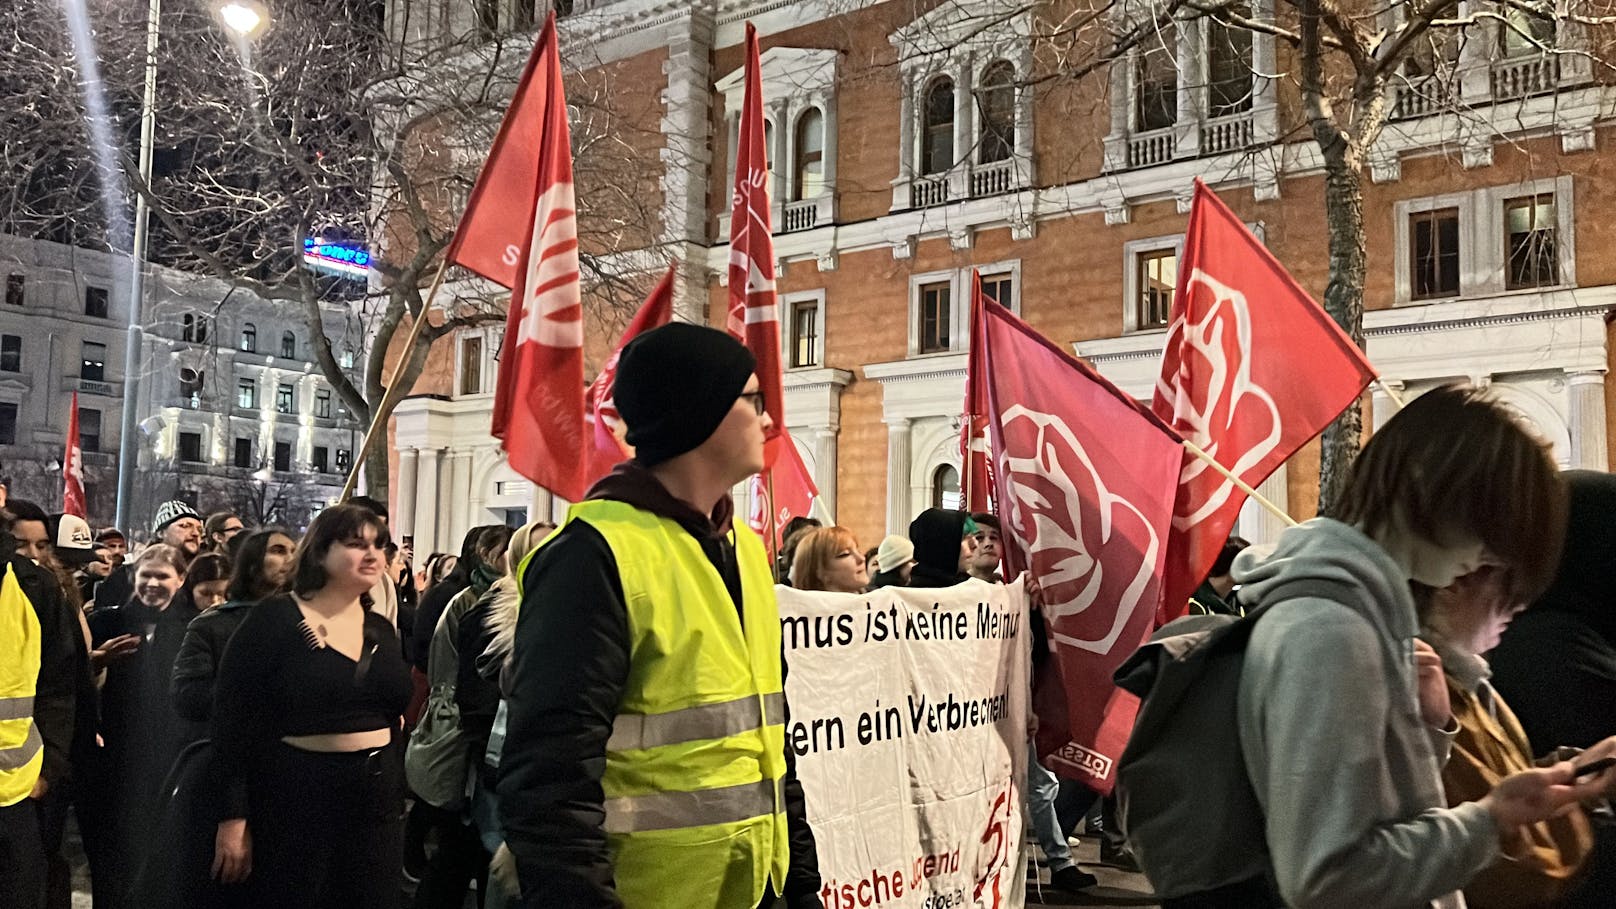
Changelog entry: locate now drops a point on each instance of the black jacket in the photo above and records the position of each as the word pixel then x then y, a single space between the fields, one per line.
pixel 418 646
pixel 566 679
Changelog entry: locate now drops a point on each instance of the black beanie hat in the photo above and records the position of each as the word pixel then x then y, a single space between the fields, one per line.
pixel 675 384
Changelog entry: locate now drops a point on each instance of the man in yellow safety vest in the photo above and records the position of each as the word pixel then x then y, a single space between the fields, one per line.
pixel 645 761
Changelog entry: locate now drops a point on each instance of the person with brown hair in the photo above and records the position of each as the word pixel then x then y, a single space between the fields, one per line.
pixel 829 559
pixel 307 711
pixel 1344 763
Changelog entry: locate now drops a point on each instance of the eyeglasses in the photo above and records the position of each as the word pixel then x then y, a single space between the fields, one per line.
pixel 756 397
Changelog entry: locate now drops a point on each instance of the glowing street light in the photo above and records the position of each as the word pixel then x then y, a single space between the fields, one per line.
pixel 245 18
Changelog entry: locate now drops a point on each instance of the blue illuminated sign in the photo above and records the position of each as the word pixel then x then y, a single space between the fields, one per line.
pixel 352 260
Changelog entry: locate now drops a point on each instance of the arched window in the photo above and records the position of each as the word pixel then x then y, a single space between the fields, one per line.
pixel 996 113
pixel 288 345
pixel 945 487
pixel 768 158
pixel 188 327
pixel 937 136
pixel 249 337
pixel 810 177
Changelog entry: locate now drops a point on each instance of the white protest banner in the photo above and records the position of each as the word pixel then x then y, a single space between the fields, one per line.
pixel 909 726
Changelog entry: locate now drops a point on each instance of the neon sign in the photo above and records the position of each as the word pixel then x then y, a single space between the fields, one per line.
pixel 336 257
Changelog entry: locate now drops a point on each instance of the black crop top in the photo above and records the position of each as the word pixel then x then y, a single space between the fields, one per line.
pixel 276 681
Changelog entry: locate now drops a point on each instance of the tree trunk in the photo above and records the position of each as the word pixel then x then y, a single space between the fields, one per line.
pixel 375 461
pixel 1343 300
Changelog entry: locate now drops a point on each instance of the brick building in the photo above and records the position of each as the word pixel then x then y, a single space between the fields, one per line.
pixel 912 142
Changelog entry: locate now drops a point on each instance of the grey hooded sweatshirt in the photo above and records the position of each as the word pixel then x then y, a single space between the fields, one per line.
pixel 1345 769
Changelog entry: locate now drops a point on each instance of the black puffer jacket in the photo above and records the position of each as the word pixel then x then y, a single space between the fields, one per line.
pixel 565 681
pixel 937 533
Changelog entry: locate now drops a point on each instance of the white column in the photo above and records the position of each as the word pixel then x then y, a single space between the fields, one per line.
pixel 1191 87
pixel 543 506
pixel 426 504
pixel 898 475
pixel 825 466
pixel 907 113
pixel 1262 525
pixel 459 496
pixel 1589 446
pixel 1382 404
pixel 404 511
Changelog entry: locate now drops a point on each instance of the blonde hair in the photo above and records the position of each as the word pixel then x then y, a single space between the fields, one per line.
pixel 816 551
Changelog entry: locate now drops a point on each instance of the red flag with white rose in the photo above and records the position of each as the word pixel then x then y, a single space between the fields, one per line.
pixel 607 447
pixel 520 231
pixel 73 467
pixel 975 472
pixel 793 495
pixel 754 316
pixel 1253 369
pixel 1085 482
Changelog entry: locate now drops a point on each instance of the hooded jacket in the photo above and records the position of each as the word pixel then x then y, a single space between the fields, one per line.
pixel 566 677
pixel 1556 665
pixel 1346 771
pixel 937 533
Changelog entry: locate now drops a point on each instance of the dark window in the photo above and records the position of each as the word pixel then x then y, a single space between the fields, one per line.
pixel 249 338
pixel 320 459
pixel 996 112
pixel 15 289
pixel 1229 78
pixel 322 403
pixel 194 328
pixel 243 453
pixel 191 447
pixel 283 455
pixel 10 353
pixel 95 302
pixel 810 178
pixel 1530 234
pixel 937 136
pixel 246 394
pixel 471 365
pixel 93 363
pixel 1000 289
pixel 8 423
pixel 1157 83
pixel 805 333
pixel 1434 254
pixel 522 18
pixel 89 429
pixel 285 399
pixel 1157 281
pixel 288 345
pixel 935 317
pixel 344 459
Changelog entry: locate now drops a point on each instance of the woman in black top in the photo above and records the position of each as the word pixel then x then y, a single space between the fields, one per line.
pixel 306 716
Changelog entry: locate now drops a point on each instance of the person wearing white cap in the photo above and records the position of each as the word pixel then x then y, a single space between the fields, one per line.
pixel 894 559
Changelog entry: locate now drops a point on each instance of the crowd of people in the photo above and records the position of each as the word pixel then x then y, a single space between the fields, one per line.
pixel 592 715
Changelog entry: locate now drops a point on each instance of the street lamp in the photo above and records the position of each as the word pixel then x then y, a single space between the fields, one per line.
pixel 245 18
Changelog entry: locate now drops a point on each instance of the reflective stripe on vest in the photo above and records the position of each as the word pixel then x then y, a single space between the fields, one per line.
pixel 704 807
pixel 706 721
pixel 16 708
pixel 12 759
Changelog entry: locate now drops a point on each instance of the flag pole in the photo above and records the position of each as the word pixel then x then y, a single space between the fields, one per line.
pixel 965 462
pixel 1245 487
pixel 1390 392
pixel 392 382
pixel 774 527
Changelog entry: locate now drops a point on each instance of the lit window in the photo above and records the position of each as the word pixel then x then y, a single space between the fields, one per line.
pixel 246 394
pixel 1157 281
pixel 810 178
pixel 805 333
pixel 249 338
pixel 1529 229
pixel 344 459
pixel 945 487
pixel 285 398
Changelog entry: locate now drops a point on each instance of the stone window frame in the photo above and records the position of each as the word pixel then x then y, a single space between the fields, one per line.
pixel 1131 253
pixel 1194 133
pixel 960 41
pixel 485 372
pixel 796 80
pixel 959 316
pixel 1483 252
pixel 788 328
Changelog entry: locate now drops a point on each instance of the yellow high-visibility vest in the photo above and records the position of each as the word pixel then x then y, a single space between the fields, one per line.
pixel 695 815
pixel 22 752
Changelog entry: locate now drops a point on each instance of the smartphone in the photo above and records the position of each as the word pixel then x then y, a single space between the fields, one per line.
pixel 1594 768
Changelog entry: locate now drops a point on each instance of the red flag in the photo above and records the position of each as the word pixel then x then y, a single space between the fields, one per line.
pixel 1252 370
pixel 520 230
pixel 793 494
pixel 73 467
pixel 754 317
pixel 607 447
pixel 975 470
pixel 1085 484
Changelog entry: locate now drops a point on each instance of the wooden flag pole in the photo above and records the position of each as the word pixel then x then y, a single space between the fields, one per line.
pixel 1245 487
pixel 392 382
pixel 965 481
pixel 1390 392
